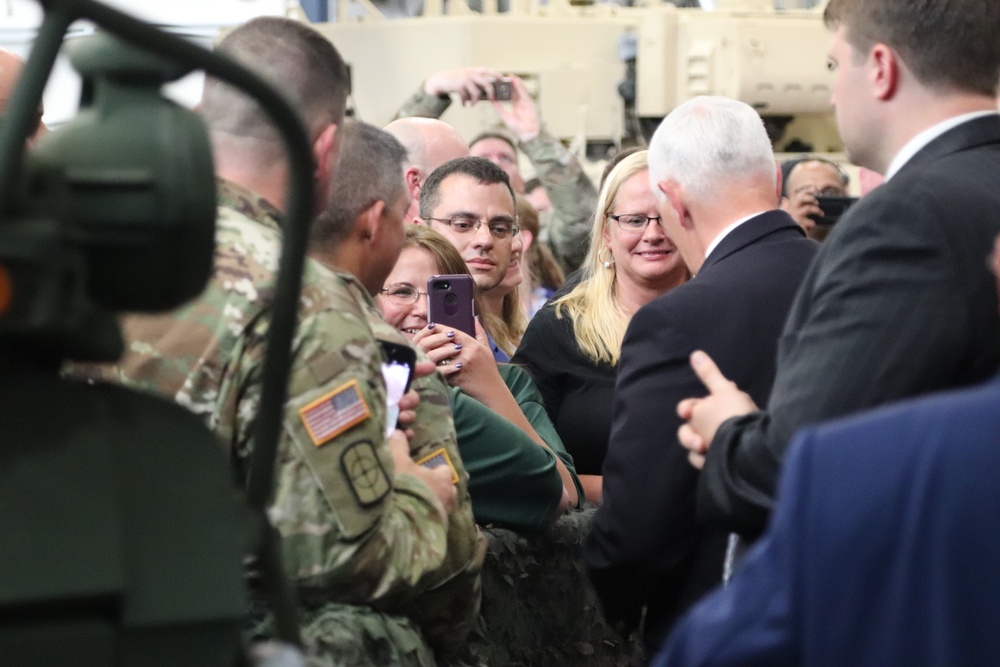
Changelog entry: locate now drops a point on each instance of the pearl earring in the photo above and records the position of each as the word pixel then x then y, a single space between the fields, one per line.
pixel 609 262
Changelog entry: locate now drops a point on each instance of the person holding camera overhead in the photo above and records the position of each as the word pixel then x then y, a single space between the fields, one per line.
pixel 572 194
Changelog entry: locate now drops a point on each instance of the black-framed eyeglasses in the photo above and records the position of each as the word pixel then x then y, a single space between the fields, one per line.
pixel 634 222
pixel 464 224
pixel 402 293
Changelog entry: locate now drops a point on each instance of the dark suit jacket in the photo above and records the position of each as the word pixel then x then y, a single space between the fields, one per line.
pixel 882 551
pixel 645 546
pixel 899 302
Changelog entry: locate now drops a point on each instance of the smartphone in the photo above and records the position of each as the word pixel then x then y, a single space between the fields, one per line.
pixel 503 89
pixel 402 356
pixel 397 372
pixel 833 206
pixel 449 301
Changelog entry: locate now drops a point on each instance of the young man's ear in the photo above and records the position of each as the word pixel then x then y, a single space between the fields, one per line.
pixel 326 154
pixel 884 72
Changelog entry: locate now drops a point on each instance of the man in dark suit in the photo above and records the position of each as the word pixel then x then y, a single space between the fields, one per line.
pixel 719 206
pixel 881 550
pixel 898 302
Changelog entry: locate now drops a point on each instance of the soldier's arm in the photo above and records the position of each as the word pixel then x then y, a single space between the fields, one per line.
pixel 433 97
pixel 353 528
pixel 571 192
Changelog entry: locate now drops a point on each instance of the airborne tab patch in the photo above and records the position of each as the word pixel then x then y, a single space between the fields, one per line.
pixel 331 415
pixel 439 457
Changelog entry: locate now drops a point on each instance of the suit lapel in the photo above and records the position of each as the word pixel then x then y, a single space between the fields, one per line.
pixel 750 232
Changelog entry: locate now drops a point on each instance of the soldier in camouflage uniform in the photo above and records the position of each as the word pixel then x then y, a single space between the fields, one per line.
pixel 367 197
pixel 571 192
pixel 361 523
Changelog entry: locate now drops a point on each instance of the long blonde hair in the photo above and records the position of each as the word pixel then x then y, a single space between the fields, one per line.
pixel 598 319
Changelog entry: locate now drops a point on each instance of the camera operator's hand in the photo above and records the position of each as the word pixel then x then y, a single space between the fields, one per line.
pixel 470 83
pixel 520 115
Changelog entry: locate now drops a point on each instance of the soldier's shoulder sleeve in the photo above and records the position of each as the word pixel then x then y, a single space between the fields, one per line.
pixel 422 105
pixel 571 192
pixel 348 523
pixel 446 612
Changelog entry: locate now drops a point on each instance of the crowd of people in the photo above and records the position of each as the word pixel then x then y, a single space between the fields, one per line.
pixel 624 337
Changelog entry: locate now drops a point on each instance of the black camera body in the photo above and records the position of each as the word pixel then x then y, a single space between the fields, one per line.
pixel 834 206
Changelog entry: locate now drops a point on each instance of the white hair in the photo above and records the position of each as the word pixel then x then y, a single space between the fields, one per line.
pixel 711 140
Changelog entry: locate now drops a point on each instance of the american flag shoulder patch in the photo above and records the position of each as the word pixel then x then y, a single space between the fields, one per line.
pixel 329 416
pixel 439 457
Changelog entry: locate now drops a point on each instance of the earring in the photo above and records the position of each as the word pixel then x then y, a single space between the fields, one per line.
pixel 609 262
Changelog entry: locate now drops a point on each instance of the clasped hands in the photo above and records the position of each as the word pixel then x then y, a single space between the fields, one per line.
pixel 703 416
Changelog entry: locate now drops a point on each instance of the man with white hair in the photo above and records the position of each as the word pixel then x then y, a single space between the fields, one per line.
pixel 713 172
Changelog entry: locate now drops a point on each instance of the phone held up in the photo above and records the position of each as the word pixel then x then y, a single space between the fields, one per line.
pixel 833 206
pixel 449 301
pixel 503 89
pixel 397 372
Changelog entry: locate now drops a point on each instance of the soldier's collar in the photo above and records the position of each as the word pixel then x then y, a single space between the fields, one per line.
pixel 248 203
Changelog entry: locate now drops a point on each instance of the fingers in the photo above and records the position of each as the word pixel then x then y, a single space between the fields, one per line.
pixel 709 373
pixel 686 408
pixel 423 369
pixel 399 446
pixel 696 460
pixel 410 400
pixel 690 440
pixel 695 445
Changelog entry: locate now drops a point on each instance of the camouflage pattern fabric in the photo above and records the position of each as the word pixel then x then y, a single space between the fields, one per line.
pixel 573 195
pixel 449 601
pixel 352 531
pixel 539 608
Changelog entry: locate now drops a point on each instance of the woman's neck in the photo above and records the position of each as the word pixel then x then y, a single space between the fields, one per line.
pixel 632 296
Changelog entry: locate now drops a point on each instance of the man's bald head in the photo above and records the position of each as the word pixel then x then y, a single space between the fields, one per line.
pixel 429 143
pixel 10 68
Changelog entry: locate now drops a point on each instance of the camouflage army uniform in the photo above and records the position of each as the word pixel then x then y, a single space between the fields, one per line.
pixel 449 605
pixel 352 531
pixel 573 196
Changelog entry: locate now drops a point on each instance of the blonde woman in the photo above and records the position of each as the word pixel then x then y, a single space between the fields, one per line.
pixel 571 346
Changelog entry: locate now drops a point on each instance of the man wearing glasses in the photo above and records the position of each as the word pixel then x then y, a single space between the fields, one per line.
pixel 470 202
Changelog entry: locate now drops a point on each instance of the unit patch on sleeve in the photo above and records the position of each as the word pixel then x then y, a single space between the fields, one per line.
pixel 368 479
pixel 334 413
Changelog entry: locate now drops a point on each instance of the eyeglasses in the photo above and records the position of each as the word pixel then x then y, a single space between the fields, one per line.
pixel 463 224
pixel 402 293
pixel 634 222
pixel 828 191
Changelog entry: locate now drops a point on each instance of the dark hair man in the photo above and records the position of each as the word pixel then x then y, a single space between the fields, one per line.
pixel 805 179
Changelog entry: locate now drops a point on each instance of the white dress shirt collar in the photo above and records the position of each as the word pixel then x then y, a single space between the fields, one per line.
pixel 914 145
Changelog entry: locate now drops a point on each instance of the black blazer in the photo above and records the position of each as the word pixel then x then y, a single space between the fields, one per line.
pixel 898 303
pixel 646 547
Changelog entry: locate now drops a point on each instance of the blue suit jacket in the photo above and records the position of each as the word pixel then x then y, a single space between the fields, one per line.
pixel 883 550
